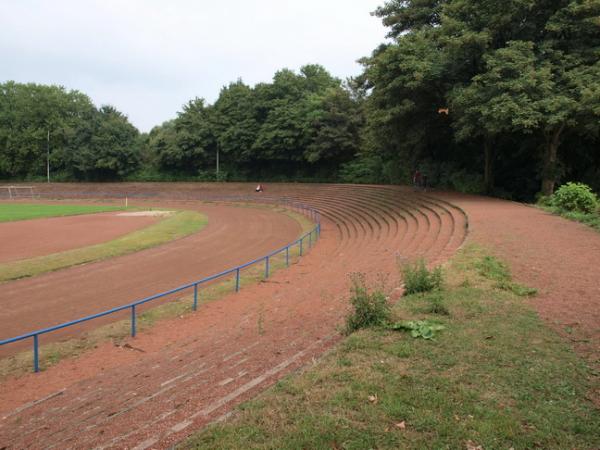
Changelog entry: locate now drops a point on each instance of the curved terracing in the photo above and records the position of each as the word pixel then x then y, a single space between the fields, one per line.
pixel 189 371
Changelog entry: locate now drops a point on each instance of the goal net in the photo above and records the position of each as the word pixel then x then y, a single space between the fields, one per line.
pixel 16 192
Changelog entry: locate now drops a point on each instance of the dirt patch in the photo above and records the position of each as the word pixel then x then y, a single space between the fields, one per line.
pixel 30 238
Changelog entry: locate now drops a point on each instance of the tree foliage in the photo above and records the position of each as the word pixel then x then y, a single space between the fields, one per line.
pixel 479 84
pixel 84 142
pixel 301 124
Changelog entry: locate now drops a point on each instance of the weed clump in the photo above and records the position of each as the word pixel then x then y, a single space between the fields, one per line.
pixel 495 270
pixel 368 308
pixel 436 304
pixel 418 279
pixel 418 328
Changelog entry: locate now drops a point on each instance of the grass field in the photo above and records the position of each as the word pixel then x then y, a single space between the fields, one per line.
pixel 495 378
pixel 10 212
pixel 180 224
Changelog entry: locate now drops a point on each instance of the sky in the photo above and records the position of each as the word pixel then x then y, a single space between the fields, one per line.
pixel 149 57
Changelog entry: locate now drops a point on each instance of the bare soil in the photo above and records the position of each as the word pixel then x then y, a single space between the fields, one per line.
pixel 30 238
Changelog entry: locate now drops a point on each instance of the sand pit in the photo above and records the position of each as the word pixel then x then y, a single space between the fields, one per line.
pixel 146 214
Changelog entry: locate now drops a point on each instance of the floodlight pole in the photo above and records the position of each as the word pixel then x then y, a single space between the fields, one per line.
pixel 48 156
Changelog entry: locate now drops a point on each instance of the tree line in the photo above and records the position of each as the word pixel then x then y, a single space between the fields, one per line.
pixel 300 126
pixel 85 142
pixel 494 96
pixel 500 97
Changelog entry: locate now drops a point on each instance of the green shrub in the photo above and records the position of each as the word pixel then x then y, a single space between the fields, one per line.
pixel 543 200
pixel 418 279
pixel 575 197
pixel 363 169
pixel 369 308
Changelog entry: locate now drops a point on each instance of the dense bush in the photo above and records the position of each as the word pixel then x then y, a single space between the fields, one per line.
pixel 369 308
pixel 575 197
pixel 418 279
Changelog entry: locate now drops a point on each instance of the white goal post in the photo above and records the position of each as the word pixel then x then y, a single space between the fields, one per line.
pixel 16 192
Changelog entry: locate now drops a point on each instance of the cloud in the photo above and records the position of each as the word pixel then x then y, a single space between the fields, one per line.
pixel 148 57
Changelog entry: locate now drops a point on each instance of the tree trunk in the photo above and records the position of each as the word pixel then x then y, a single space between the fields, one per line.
pixel 550 160
pixel 488 174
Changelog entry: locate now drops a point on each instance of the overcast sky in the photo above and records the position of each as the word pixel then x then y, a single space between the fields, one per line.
pixel 149 57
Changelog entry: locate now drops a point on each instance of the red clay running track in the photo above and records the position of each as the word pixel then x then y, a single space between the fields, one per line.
pixel 189 371
pixel 30 238
pixel 232 236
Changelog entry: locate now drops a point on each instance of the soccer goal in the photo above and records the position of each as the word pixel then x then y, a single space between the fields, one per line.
pixel 17 192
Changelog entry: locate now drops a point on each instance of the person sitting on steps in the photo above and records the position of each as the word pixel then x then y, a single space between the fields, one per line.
pixel 259 188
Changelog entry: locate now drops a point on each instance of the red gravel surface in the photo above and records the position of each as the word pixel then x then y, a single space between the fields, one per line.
pixel 30 238
pixel 186 372
pixel 232 237
pixel 559 257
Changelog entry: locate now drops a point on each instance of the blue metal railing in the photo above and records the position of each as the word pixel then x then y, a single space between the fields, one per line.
pixel 314 214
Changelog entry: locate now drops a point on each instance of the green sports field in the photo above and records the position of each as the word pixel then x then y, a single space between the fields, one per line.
pixel 10 212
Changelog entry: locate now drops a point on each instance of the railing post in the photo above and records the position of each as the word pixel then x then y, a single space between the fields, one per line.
pixel 267 267
pixel 287 256
pixel 36 354
pixel 237 280
pixel 301 239
pixel 132 320
pixel 310 239
pixel 195 307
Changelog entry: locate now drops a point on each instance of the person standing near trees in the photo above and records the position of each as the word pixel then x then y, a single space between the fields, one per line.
pixel 417 179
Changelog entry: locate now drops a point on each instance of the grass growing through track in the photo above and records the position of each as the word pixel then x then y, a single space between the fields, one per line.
pixel 178 225
pixel 10 212
pixel 495 377
pixel 589 219
pixel 118 332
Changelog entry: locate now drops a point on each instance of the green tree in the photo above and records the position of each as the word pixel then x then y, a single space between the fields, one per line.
pixel 235 123
pixel 191 145
pixel 507 69
pixel 27 113
pixel 111 150
pixel 332 124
